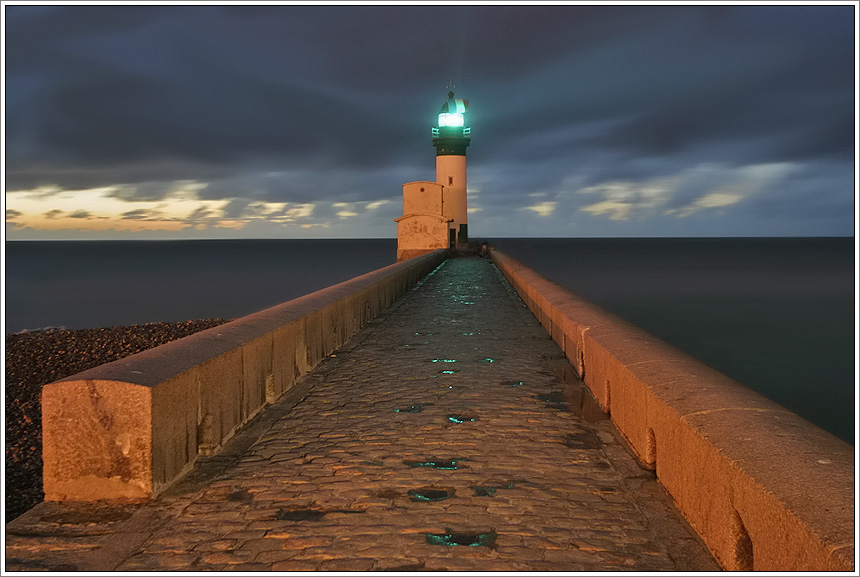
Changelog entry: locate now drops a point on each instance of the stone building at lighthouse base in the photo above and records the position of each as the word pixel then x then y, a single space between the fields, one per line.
pixel 423 227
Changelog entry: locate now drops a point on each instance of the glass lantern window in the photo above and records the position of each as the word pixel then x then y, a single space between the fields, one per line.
pixel 451 119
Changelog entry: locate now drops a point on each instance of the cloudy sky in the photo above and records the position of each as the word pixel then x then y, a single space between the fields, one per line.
pixel 304 121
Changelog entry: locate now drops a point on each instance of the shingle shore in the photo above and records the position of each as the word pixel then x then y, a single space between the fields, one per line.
pixel 38 358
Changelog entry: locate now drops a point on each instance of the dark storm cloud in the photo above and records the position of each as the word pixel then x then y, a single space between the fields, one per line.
pixel 141 214
pixel 200 214
pixel 827 201
pixel 302 185
pixel 147 191
pixel 236 208
pixel 682 85
pixel 334 103
pixel 188 85
pixel 57 213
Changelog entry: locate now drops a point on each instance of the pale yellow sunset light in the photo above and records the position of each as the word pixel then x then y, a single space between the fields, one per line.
pixel 108 208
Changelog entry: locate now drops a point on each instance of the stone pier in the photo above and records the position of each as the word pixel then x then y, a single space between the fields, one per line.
pixel 449 434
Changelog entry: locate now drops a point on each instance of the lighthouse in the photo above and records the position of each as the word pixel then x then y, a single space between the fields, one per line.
pixel 451 136
pixel 435 213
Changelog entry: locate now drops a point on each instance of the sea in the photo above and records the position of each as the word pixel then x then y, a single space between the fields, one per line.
pixel 776 314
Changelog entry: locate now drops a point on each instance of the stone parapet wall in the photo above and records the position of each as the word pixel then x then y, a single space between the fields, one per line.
pixel 128 429
pixel 764 488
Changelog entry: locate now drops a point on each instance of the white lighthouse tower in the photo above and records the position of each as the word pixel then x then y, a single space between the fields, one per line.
pixel 434 213
pixel 451 136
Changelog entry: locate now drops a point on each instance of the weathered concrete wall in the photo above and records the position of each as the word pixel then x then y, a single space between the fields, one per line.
pixel 764 488
pixel 422 228
pixel 129 428
pixel 422 197
pixel 419 234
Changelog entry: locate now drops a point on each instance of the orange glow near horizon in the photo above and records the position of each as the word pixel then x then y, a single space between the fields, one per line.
pixel 102 209
pixel 100 224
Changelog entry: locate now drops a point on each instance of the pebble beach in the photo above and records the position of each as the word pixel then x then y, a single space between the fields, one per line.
pixel 35 359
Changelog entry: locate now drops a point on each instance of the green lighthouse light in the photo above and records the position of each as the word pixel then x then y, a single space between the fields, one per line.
pixel 451 135
pixel 451 119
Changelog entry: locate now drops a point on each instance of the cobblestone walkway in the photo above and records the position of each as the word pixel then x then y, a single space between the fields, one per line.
pixel 448 435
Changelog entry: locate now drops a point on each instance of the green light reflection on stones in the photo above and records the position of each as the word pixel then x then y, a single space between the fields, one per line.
pixel 452 539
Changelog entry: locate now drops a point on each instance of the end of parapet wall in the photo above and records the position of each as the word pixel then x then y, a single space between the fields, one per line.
pixel 764 488
pixel 127 430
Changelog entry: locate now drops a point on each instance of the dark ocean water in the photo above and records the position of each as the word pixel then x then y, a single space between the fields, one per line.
pixel 774 314
pixel 89 284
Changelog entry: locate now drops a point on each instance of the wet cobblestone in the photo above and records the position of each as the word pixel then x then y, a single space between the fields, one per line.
pixel 460 344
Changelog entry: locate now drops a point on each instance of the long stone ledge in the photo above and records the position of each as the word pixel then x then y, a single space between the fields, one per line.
pixel 765 489
pixel 128 429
